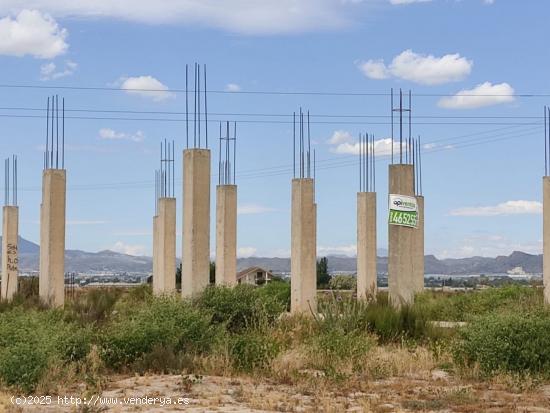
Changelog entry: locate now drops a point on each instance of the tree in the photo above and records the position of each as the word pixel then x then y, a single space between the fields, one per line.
pixel 323 277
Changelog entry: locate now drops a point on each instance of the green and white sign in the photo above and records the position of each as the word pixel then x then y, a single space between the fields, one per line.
pixel 403 210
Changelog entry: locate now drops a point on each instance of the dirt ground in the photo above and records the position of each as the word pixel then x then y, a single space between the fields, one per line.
pixel 437 393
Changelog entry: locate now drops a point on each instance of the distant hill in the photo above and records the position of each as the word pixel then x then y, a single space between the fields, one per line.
pixel 82 261
pixel 452 266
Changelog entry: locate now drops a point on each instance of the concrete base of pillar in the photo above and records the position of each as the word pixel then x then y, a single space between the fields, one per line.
pixel 304 248
pixel 195 275
pixel 418 248
pixel 52 237
pixel 546 237
pixel 164 279
pixel 366 245
pixel 401 283
pixel 10 256
pixel 226 235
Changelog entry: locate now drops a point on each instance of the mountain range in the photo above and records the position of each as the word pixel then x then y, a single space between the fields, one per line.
pixel 110 261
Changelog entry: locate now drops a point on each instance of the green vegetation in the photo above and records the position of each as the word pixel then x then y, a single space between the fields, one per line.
pixel 323 277
pixel 464 306
pixel 508 342
pixel 242 330
pixel 343 282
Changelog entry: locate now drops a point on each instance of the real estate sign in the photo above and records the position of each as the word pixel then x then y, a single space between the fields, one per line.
pixel 403 210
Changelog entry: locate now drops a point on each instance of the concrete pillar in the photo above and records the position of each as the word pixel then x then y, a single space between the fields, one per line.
pixel 418 248
pixel 164 281
pixel 156 275
pixel 400 255
pixel 226 235
pixel 10 256
pixel 196 221
pixel 303 279
pixel 546 237
pixel 52 237
pixel 366 245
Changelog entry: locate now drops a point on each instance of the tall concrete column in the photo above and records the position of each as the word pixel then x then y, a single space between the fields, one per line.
pixel 196 221
pixel 546 237
pixel 366 245
pixel 226 235
pixel 10 256
pixel 303 279
pixel 418 248
pixel 401 239
pixel 52 237
pixel 156 275
pixel 165 282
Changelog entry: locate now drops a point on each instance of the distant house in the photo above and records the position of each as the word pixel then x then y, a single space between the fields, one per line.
pixel 254 276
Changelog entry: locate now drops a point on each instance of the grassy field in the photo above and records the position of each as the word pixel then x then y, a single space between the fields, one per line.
pixel 245 334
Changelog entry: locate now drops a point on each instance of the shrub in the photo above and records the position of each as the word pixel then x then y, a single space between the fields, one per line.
pixel 463 306
pixel 30 341
pixel 276 295
pixel 379 317
pixel 94 306
pixel 164 321
pixel 518 343
pixel 343 282
pixel 243 306
pixel 253 350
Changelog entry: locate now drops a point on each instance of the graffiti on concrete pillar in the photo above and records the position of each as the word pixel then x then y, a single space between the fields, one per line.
pixel 13 260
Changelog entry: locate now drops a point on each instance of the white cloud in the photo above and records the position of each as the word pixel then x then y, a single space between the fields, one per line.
pixel 31 33
pixel 111 134
pixel 146 86
pixel 419 68
pixel 489 1
pixel 382 147
pixel 484 94
pixel 250 209
pixel 505 208
pixel 374 69
pixel 340 136
pixel 128 249
pixel 398 2
pixel 245 252
pixel 232 87
pixel 242 16
pixel 349 250
pixel 48 70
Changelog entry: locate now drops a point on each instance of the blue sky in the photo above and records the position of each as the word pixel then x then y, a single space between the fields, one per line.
pixel 483 152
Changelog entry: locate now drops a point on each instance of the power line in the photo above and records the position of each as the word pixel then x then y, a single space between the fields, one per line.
pixel 331 163
pixel 260 121
pixel 289 115
pixel 263 92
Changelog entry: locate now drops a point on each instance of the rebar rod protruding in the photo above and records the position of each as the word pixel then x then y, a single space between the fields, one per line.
pixel 360 165
pixel 400 126
pixel 308 148
pixel 294 144
pixel 63 136
pixel 186 106
pixel 205 112
pixel 47 133
pixel 57 131
pixel 234 152
pixel 53 117
pixel 391 125
pixel 195 110
pixel 373 166
pixel 420 163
